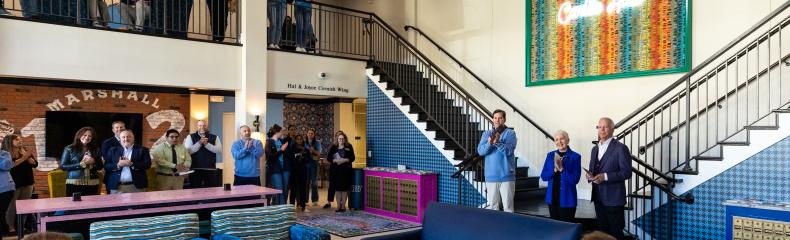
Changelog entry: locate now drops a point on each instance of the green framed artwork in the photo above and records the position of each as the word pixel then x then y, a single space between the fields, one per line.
pixel 587 40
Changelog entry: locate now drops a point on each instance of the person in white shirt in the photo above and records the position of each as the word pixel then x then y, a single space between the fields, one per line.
pixel 127 165
pixel 203 147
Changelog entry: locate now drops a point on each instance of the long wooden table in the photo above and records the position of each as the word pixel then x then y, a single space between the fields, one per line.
pixel 115 205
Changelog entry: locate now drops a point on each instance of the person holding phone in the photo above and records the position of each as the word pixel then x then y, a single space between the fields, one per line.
pixel 82 163
pixel 22 173
pixel 562 169
pixel 497 146
pixel 340 171
pixel 204 148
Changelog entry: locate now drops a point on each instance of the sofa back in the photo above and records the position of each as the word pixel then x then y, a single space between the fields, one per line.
pixel 182 226
pixel 271 222
pixel 445 221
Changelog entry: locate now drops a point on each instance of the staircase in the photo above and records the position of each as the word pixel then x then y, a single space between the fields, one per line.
pixel 703 123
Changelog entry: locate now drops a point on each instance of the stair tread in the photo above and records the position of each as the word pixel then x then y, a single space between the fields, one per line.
pixel 762 127
pixel 710 158
pixel 531 189
pixel 735 143
pixel 686 172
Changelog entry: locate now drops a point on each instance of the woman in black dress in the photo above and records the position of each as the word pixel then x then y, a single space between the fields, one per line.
pixel 341 155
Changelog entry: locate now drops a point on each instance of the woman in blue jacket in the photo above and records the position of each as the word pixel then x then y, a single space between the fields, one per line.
pixel 562 170
pixel 7 187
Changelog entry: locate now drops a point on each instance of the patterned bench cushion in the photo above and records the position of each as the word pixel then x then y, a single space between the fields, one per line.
pixel 271 222
pixel 169 227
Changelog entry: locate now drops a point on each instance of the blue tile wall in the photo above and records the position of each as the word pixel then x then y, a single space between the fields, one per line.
pixel 394 140
pixel 762 176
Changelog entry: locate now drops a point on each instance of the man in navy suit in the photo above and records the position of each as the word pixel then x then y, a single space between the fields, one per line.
pixel 126 166
pixel 610 167
pixel 110 143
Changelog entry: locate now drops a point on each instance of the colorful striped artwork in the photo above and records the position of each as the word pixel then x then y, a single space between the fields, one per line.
pixel 587 40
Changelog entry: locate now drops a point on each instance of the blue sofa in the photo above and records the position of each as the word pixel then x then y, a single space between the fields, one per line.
pixel 445 221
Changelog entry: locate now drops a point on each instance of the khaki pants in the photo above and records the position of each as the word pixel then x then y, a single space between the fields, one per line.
pixel 130 188
pixel 500 193
pixel 169 182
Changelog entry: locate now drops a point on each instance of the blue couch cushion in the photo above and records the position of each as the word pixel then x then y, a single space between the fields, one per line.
pixel 302 232
pixel 444 221
pixel 182 226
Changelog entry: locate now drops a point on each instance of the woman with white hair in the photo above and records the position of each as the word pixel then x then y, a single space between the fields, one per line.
pixel 562 170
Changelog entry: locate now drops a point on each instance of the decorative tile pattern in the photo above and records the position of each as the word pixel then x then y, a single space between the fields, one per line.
pixel 304 116
pixel 762 176
pixel 394 140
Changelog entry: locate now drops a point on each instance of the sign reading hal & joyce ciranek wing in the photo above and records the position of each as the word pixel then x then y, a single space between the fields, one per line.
pixel 585 40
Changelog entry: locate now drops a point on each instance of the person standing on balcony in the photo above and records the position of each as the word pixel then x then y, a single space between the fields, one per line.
pixel 562 169
pixel 3 12
pixel 219 17
pixel 304 25
pixel 610 167
pixel 498 146
pixel 171 17
pixel 276 16
pixel 101 17
pixel 134 13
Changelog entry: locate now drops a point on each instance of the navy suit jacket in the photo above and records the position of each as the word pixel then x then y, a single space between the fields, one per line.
pixel 141 161
pixel 108 145
pixel 616 163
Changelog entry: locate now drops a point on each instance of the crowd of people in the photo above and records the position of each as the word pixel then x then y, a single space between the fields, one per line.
pixel 169 18
pixel 609 168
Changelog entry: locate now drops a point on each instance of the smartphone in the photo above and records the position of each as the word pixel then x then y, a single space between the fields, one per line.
pixel 587 171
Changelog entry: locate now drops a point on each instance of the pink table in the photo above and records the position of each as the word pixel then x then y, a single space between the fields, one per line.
pixel 213 198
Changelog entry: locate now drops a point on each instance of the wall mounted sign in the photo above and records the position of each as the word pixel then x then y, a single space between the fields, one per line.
pixel 586 40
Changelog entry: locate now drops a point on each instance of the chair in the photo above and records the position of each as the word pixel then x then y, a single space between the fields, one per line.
pixel 182 226
pixel 270 222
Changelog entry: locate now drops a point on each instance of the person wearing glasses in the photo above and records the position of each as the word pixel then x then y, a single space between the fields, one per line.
pixel 610 167
pixel 172 161
pixel 562 170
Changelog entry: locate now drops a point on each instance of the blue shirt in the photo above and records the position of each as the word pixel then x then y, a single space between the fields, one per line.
pixel 6 163
pixel 279 144
pixel 247 159
pixel 500 159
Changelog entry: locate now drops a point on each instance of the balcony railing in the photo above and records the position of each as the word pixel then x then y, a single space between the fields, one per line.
pixel 206 20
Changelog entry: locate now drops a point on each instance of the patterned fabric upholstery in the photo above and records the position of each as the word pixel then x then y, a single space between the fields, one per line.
pixel 302 232
pixel 175 227
pixel 271 222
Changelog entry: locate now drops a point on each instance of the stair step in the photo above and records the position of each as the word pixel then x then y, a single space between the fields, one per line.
pixel 737 143
pixel 527 183
pixel 708 158
pixel 762 127
pixel 686 172
pixel 642 195
pixel 783 110
pixel 522 172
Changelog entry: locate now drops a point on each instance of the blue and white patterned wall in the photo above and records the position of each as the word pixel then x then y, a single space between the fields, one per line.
pixel 762 176
pixel 394 140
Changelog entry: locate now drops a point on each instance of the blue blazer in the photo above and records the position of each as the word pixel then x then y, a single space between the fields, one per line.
pixel 616 163
pixel 141 161
pixel 6 163
pixel 569 177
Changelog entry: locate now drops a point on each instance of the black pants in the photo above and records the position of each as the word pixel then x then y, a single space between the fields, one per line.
pixel 611 220
pixel 5 200
pixel 203 178
pixel 237 180
pixel 560 213
pixel 171 16
pixel 219 18
pixel 84 190
pixel 298 188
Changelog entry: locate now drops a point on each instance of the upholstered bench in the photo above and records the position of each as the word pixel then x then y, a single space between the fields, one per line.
pixel 271 222
pixel 182 226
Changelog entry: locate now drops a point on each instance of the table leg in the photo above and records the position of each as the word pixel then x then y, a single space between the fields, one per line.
pixel 20 230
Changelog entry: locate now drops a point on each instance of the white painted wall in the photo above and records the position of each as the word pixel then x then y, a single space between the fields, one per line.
pixel 302 70
pixel 489 37
pixel 31 49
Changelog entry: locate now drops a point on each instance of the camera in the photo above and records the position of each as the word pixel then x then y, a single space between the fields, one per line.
pixel 322 75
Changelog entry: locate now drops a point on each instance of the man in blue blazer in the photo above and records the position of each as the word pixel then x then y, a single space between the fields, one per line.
pixel 610 167
pixel 127 165
pixel 110 143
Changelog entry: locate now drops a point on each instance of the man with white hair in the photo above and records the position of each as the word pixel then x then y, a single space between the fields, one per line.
pixel 247 152
pixel 610 167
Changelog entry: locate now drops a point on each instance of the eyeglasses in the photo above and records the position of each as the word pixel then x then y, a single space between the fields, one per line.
pixel 173 136
pixel 599 127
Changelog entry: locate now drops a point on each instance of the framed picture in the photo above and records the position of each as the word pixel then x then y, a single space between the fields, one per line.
pixel 586 40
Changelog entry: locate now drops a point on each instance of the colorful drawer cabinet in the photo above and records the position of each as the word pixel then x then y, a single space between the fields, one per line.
pixel 401 194
pixel 757 220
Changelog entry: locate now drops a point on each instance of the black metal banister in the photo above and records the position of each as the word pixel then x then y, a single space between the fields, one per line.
pixel 704 64
pixel 653 169
pixel 515 109
pixel 686 198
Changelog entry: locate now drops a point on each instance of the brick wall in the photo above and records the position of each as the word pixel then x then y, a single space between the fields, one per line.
pixel 23 108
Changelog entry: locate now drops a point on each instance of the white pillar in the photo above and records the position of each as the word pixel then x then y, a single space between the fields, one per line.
pixel 251 98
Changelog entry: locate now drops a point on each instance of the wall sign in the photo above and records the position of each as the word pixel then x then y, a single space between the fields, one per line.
pixel 586 40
